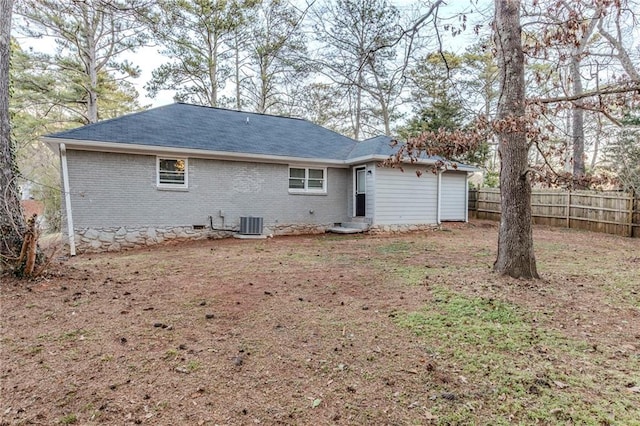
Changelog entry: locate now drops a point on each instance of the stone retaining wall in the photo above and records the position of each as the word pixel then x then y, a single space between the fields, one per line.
pixel 93 240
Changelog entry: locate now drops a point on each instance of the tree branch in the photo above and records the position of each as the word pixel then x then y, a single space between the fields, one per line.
pixel 632 87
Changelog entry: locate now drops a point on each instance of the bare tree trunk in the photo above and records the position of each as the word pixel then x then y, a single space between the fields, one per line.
pixel 629 66
pixel 358 112
pixel 596 142
pixel 12 224
pixel 515 241
pixel 262 101
pixel 90 64
pixel 577 133
pixel 212 57
pixel 577 110
pixel 237 70
pixel 379 95
pixel 92 92
pixel 387 119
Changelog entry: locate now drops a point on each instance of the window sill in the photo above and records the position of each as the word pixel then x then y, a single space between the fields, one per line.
pixel 294 192
pixel 172 188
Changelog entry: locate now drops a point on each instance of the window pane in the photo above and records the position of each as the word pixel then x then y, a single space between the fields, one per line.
pixel 171 177
pixel 171 171
pixel 316 183
pixel 296 183
pixel 297 173
pixel 316 174
pixel 360 181
pixel 168 165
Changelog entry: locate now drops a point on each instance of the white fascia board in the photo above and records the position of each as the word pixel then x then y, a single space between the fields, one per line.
pixel 117 147
pixel 189 152
pixel 406 160
pixel 380 158
pixel 463 168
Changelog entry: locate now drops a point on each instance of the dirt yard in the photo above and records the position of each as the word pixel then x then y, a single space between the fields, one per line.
pixel 348 330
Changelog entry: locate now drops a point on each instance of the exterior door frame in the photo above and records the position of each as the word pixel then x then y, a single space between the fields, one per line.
pixel 359 191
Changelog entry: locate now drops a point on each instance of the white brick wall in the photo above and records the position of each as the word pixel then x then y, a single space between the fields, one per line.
pixel 112 190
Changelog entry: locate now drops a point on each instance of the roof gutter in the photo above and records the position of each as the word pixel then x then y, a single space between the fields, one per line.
pixel 417 161
pixel 190 152
pixel 226 155
pixel 67 199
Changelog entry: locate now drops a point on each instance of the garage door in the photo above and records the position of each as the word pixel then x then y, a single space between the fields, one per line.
pixel 454 196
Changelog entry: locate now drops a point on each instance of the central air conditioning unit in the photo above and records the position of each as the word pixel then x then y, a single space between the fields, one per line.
pixel 251 225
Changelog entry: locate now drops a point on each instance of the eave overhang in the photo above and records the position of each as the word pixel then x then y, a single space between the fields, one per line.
pixel 141 149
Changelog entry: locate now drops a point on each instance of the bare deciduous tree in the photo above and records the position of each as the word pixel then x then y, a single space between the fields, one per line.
pixel 199 38
pixel 359 55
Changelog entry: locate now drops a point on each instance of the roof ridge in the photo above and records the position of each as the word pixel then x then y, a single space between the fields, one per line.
pixel 243 112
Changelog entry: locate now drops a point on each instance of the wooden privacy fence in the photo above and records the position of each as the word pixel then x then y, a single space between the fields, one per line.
pixel 611 212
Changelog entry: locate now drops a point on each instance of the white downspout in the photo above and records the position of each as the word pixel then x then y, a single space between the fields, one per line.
pixel 466 197
pixel 67 199
pixel 439 197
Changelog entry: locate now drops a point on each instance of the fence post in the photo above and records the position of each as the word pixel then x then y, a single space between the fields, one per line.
pixel 630 204
pixel 569 208
pixel 636 208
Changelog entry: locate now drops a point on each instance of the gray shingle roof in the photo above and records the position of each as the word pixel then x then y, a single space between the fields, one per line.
pixel 185 126
pixel 379 145
pixel 213 129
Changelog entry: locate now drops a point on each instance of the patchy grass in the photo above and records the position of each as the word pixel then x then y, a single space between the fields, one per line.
pixel 329 329
pixel 69 419
pixel 409 274
pixel 500 352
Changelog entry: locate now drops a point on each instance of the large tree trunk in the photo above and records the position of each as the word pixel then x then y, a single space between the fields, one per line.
pixel 12 224
pixel 515 240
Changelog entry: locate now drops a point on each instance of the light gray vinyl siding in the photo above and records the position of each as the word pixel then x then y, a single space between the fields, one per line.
pixel 404 198
pixel 370 205
pixel 112 190
pixel 453 200
pixel 351 194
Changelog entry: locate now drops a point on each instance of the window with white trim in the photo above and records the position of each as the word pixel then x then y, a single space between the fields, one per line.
pixel 172 172
pixel 307 179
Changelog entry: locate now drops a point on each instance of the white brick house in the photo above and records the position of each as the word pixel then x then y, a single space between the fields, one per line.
pixel 186 171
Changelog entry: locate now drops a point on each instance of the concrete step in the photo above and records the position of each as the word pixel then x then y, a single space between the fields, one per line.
pixel 349 228
pixel 356 225
pixel 343 230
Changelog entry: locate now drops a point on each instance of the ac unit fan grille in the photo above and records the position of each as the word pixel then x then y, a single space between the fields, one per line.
pixel 251 225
